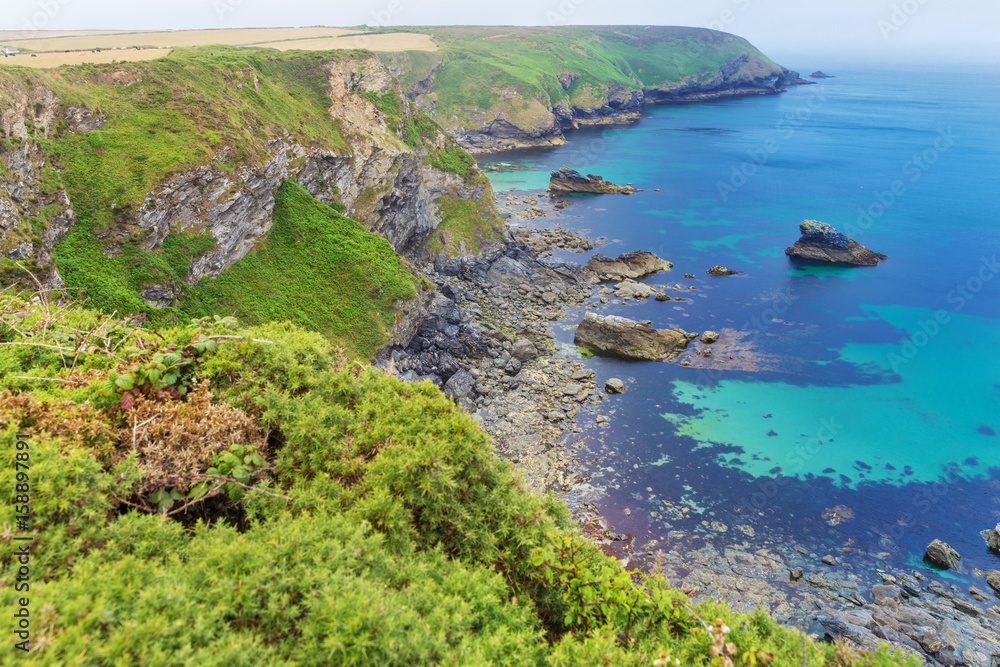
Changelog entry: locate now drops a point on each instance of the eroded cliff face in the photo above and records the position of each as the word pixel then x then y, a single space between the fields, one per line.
pixel 383 183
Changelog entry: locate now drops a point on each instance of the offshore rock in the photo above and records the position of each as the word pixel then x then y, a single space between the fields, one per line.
pixel 992 537
pixel 719 270
pixel 820 242
pixel 637 264
pixel 566 180
pixel 629 338
pixel 942 555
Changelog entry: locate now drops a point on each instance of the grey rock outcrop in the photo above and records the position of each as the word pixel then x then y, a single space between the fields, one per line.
pixel 992 537
pixel 614 386
pixel 637 264
pixel 629 338
pixel 565 180
pixel 942 555
pixel 820 242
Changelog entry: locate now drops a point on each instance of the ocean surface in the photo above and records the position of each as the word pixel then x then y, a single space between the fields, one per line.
pixel 867 411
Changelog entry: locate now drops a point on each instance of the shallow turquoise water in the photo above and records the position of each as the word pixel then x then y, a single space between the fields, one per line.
pixel 881 386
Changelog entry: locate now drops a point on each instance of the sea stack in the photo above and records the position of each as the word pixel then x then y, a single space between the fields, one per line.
pixel 566 180
pixel 820 242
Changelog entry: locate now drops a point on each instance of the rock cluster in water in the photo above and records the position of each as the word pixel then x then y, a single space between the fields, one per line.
pixel 566 180
pixel 820 242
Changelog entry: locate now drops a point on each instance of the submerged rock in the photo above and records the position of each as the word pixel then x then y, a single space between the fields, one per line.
pixel 629 338
pixel 637 264
pixel 820 242
pixel 566 180
pixel 942 555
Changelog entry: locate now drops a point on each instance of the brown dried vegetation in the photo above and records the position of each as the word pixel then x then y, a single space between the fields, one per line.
pixel 174 437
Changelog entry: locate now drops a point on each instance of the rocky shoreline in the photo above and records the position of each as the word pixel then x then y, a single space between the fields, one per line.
pixel 486 337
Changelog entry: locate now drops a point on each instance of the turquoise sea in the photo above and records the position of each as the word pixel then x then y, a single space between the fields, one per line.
pixel 874 392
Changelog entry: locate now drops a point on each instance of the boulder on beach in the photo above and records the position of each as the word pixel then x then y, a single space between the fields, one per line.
pixel 942 555
pixel 636 264
pixel 628 338
pixel 820 242
pixel 566 180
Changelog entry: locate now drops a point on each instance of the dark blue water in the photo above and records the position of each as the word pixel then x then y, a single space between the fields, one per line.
pixel 872 392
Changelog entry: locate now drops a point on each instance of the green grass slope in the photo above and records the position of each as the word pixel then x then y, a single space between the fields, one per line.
pixel 316 268
pixel 216 495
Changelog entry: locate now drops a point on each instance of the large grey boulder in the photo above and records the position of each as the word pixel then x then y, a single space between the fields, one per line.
pixel 637 264
pixel 460 385
pixel 629 338
pixel 942 555
pixel 992 537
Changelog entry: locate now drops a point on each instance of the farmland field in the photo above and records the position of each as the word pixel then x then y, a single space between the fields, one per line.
pixel 398 41
pixel 80 57
pixel 47 41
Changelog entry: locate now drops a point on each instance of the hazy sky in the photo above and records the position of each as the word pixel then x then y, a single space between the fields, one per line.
pixel 851 29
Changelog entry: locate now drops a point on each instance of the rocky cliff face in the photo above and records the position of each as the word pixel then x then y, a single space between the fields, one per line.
pixel 384 183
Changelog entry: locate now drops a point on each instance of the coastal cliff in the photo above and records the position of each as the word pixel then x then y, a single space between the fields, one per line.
pixel 138 182
pixel 500 88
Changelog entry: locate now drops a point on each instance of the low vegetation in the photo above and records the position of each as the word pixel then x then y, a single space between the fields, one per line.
pixel 224 495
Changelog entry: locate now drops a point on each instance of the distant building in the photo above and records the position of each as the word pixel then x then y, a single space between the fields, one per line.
pixel 10 52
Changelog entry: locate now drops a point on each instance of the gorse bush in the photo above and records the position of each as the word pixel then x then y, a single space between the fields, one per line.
pixel 328 514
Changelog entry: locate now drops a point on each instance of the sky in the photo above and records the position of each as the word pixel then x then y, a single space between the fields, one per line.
pixel 851 30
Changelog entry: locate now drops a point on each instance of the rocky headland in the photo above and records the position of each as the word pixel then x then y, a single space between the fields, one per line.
pixel 820 242
pixel 569 181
